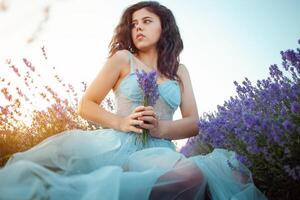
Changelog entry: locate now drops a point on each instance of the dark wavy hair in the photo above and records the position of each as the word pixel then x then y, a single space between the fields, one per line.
pixel 169 44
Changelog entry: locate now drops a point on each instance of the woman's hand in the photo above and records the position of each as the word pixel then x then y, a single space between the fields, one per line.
pixel 151 121
pixel 131 123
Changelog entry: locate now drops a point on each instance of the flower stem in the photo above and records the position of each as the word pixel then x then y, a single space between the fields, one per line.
pixel 145 131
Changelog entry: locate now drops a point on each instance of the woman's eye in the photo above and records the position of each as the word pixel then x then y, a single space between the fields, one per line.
pixel 145 21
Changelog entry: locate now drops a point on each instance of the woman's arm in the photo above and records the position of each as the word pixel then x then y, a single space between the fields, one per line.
pixel 187 126
pixel 178 129
pixel 105 80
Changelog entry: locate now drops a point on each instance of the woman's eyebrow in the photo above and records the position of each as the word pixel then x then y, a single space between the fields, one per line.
pixel 142 18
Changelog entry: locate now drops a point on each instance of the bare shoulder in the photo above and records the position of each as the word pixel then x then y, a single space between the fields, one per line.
pixel 120 57
pixel 182 71
pixel 107 77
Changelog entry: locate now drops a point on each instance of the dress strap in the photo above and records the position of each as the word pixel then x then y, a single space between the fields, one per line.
pixel 131 63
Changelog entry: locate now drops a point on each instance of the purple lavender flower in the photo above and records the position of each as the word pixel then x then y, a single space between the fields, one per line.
pixel 295 107
pixel 292 172
pixel 243 159
pixel 288 125
pixel 249 120
pixel 147 82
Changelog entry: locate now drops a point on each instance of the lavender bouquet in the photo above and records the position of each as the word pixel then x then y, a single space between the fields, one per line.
pixel 147 82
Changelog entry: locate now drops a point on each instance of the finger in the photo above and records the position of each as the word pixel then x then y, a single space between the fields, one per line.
pixel 148 112
pixel 149 108
pixel 138 109
pixel 148 119
pixel 136 122
pixel 135 129
pixel 147 126
pixel 136 115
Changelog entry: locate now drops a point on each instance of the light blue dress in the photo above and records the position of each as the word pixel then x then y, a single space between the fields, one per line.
pixel 108 164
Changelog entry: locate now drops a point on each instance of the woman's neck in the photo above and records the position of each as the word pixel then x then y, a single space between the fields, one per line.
pixel 149 58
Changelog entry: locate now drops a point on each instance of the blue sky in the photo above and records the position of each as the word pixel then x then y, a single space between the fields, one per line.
pixel 224 40
pixel 235 39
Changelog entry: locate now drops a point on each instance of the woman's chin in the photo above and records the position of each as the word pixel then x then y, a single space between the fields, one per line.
pixel 142 47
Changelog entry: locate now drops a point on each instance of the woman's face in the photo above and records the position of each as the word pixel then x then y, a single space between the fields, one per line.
pixel 148 24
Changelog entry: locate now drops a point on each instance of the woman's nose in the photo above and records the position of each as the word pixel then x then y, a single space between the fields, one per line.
pixel 138 27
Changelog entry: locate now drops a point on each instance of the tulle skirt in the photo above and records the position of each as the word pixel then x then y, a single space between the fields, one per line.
pixel 109 164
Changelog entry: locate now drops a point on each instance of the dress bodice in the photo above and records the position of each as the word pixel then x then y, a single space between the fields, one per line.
pixel 129 95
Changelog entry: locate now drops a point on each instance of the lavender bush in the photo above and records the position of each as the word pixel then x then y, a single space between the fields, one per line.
pixel 147 82
pixel 19 105
pixel 262 125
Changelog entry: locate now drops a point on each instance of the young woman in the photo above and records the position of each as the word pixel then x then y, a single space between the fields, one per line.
pixel 109 163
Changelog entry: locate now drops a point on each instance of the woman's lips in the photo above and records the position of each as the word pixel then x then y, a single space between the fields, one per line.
pixel 140 36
